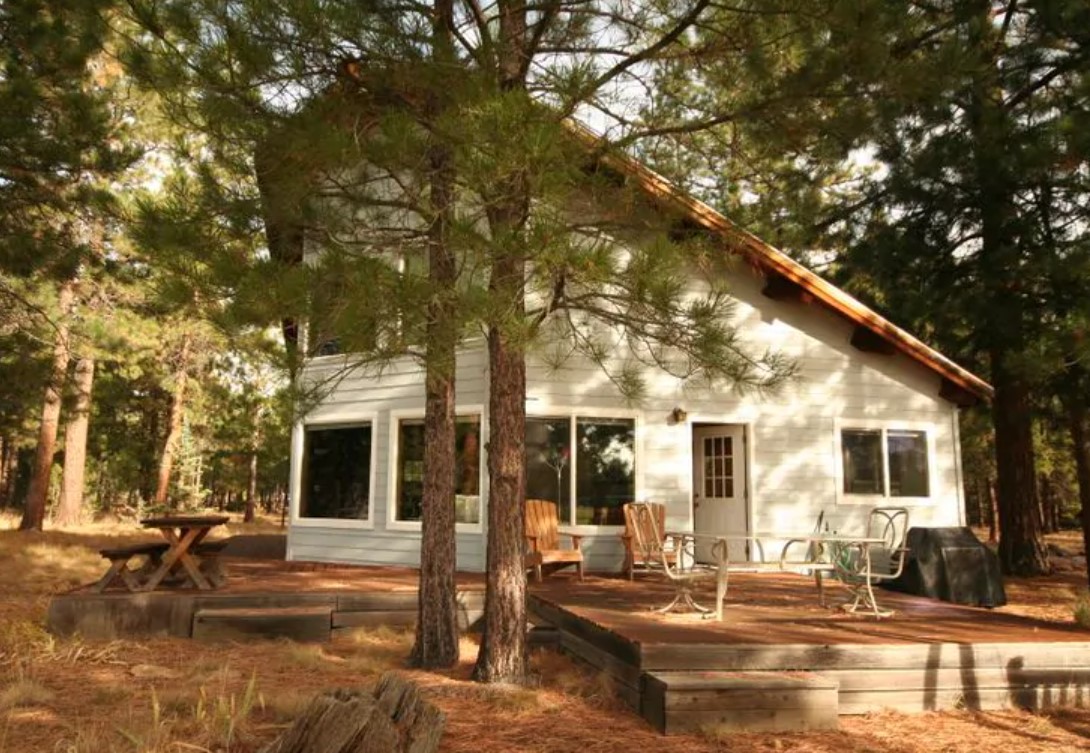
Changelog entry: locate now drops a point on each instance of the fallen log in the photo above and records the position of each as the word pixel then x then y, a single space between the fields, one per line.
pixel 393 718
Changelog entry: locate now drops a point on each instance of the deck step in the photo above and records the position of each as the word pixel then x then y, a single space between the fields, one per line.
pixel 682 702
pixel 308 624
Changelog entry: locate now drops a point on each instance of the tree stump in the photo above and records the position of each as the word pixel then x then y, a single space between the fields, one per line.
pixel 393 718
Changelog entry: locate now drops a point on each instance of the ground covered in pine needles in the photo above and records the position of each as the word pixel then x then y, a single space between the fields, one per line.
pixel 155 696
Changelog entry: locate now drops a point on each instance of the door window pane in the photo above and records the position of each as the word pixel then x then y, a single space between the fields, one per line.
pixel 336 477
pixel 605 469
pixel 907 451
pixel 862 458
pixel 548 463
pixel 467 470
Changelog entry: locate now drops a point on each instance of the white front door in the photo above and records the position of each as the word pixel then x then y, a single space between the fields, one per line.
pixel 719 485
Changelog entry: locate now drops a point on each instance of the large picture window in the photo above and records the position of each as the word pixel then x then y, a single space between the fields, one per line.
pixel 467 470
pixel 336 473
pixel 602 467
pixel 885 462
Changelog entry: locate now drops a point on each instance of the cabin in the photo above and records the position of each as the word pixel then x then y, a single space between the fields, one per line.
pixel 872 419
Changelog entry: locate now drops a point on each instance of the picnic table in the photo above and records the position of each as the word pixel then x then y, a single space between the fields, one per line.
pixel 184 555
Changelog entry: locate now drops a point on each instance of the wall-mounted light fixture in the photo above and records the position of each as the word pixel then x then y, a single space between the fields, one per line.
pixel 677 415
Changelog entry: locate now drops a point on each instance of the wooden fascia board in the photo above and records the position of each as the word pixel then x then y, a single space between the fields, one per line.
pixel 772 260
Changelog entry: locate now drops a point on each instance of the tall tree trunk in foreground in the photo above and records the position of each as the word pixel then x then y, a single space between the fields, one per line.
pixel 38 493
pixel 436 643
pixel 502 657
pixel 70 507
pixel 1080 440
pixel 1021 546
pixel 174 430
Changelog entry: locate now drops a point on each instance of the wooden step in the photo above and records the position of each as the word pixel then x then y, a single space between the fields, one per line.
pixel 681 702
pixel 309 624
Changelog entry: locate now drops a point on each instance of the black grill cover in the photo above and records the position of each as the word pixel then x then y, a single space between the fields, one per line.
pixel 951 564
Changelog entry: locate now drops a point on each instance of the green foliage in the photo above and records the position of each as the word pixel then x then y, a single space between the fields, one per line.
pixel 1081 610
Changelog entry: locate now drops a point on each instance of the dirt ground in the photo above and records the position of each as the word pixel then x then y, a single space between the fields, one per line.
pixel 154 696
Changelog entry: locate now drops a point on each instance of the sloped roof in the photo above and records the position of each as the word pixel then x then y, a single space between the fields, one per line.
pixel 959 384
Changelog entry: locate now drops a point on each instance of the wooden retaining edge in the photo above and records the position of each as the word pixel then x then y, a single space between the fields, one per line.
pixel 817 658
pixel 751 701
pixel 626 651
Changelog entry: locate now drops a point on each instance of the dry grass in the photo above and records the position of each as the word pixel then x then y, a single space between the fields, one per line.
pixel 166 695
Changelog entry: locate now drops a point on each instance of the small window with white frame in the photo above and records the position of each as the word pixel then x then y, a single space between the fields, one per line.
pixel 336 472
pixel 885 462
pixel 409 472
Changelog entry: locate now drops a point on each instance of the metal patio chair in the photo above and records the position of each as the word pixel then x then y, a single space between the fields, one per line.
pixel 862 566
pixel 672 554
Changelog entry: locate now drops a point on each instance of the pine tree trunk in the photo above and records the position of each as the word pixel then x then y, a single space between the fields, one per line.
pixel 1047 494
pixel 251 490
pixel 436 642
pixel 502 657
pixel 6 447
pixel 1004 334
pixel 174 430
pixel 993 513
pixel 1079 427
pixel 70 507
pixel 1021 546
pixel 38 493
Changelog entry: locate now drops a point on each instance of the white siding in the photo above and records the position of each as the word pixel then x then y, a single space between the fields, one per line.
pixel 791 437
pixel 355 395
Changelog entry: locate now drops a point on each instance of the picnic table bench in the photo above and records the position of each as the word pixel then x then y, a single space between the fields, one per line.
pixel 121 556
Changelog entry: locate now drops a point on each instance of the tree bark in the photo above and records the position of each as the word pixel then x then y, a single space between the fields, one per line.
pixel 436 642
pixel 70 507
pixel 1080 444
pixel 7 448
pixel 251 490
pixel 174 430
pixel 993 513
pixel 38 493
pixel 1004 334
pixel 1021 545
pixel 502 657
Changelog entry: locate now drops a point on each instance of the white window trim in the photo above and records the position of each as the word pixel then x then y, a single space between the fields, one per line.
pixel 545 410
pixel 298 446
pixel 396 417
pixel 871 424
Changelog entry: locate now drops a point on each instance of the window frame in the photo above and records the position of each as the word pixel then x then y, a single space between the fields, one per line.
pixel 841 425
pixel 460 411
pixel 573 415
pixel 298 442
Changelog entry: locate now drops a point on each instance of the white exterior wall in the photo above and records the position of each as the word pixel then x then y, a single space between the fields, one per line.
pixel 792 445
pixel 361 396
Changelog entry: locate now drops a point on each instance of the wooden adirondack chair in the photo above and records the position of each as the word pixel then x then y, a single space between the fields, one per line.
pixel 633 554
pixel 543 540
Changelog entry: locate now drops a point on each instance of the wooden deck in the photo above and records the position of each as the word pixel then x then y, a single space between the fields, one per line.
pixel 928 655
pixel 262 598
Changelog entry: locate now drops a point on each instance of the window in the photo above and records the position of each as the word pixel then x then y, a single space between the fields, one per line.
pixel 336 473
pixel 602 470
pixel 885 462
pixel 467 470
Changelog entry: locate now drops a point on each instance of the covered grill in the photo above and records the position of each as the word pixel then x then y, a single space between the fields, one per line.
pixel 951 564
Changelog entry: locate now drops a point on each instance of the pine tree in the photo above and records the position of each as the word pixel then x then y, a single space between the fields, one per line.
pixel 970 115
pixel 367 143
